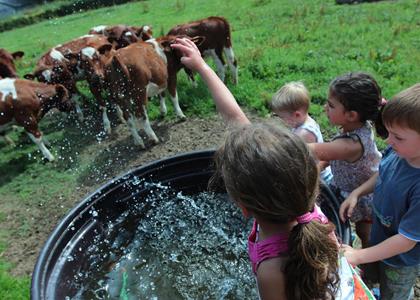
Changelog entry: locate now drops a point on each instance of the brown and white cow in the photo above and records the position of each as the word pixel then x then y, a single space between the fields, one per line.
pixel 7 65
pixel 139 71
pixel 217 40
pixel 25 102
pixel 123 35
pixel 68 63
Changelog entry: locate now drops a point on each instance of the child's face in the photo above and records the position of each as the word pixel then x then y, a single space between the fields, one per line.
pixel 335 111
pixel 404 141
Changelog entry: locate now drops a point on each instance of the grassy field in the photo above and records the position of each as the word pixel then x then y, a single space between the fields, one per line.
pixel 274 41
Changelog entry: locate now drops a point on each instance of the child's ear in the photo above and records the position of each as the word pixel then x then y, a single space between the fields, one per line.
pixel 352 115
pixel 244 210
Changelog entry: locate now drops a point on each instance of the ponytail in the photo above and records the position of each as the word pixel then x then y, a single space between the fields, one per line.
pixel 381 130
pixel 312 268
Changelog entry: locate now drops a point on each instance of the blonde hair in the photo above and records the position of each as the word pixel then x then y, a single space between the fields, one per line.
pixel 291 97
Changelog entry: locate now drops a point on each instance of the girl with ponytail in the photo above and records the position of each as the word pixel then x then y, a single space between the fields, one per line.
pixel 272 175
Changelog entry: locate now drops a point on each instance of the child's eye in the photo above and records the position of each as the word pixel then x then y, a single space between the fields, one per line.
pixel 398 138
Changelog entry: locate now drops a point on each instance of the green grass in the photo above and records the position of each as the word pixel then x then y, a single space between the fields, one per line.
pixel 274 41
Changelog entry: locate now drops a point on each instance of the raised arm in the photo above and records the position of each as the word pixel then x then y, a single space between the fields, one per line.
pixel 223 98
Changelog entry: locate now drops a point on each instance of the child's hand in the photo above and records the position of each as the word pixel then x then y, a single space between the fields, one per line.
pixel 350 254
pixel 346 208
pixel 191 55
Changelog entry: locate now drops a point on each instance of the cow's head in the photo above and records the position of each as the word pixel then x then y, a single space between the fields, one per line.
pixel 7 65
pixel 143 32
pixel 58 73
pixel 121 35
pixel 92 60
pixel 62 100
pixel 172 54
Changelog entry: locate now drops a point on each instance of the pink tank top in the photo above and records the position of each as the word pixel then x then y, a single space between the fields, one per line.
pixel 274 246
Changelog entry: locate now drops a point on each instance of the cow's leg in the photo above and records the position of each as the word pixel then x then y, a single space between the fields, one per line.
pixel 105 120
pixel 144 120
pixel 75 98
pixel 120 113
pixel 96 92
pixel 36 137
pixel 130 120
pixel 190 76
pixel 218 60
pixel 162 107
pixel 29 123
pixel 174 96
pixel 7 139
pixel 177 108
pixel 141 113
pixel 230 56
pixel 131 123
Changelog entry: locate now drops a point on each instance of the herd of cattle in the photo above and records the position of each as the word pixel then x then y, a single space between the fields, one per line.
pixel 123 62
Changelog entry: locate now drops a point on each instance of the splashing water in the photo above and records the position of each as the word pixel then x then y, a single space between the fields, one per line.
pixel 178 247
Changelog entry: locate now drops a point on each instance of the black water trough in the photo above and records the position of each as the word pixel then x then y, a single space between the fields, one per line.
pixel 54 272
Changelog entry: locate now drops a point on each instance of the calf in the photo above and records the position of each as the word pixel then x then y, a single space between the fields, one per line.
pixel 7 65
pixel 25 102
pixel 217 39
pixel 122 35
pixel 139 71
pixel 65 64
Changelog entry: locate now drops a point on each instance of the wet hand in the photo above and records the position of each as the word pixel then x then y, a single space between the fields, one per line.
pixel 350 254
pixel 346 208
pixel 191 55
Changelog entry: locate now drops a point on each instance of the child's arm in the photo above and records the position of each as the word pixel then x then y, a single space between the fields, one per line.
pixel 271 280
pixel 346 208
pixel 392 246
pixel 340 149
pixel 306 135
pixel 225 102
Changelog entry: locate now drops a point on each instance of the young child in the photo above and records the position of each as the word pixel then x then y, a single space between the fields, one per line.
pixel 354 99
pixel 272 176
pixel 396 203
pixel 291 104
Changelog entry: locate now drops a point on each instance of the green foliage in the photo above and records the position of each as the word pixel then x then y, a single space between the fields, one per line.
pixel 12 288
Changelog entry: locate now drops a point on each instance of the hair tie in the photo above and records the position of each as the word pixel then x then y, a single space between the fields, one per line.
pixel 383 102
pixel 308 217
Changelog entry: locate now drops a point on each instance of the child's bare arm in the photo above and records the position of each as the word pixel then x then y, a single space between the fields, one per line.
pixel 271 281
pixel 346 208
pixel 223 98
pixel 392 246
pixel 340 149
pixel 306 135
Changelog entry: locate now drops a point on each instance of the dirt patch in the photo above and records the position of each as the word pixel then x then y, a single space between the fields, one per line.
pixel 109 158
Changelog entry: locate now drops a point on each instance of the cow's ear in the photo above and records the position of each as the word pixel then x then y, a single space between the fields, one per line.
pixel 29 76
pixel 60 91
pixel 198 40
pixel 104 49
pixel 166 45
pixel 18 54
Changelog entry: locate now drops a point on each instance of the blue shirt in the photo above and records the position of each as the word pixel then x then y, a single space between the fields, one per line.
pixel 396 206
